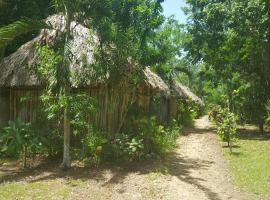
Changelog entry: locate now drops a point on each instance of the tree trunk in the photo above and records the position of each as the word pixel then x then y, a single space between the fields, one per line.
pixel 25 157
pixel 66 154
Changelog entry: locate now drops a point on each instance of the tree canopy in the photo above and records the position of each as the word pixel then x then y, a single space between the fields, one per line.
pixel 232 39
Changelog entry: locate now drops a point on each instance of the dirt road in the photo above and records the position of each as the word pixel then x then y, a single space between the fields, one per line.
pixel 195 171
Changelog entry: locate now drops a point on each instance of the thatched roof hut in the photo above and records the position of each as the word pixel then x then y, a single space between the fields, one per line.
pixel 17 80
pixel 181 93
pixel 180 90
pixel 15 70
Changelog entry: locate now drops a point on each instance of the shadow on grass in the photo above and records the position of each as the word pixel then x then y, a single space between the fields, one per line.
pixel 247 134
pixel 172 164
pixel 236 154
pixel 193 130
pixel 233 146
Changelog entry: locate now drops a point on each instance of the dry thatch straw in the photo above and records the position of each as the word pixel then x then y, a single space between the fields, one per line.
pixel 183 91
pixel 155 82
pixel 14 69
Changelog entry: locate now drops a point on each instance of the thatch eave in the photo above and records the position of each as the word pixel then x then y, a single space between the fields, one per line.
pixel 15 69
pixel 179 90
pixel 155 82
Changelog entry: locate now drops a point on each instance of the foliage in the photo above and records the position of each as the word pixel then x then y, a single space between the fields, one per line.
pixel 93 145
pixel 125 34
pixel 126 147
pixel 188 112
pixel 10 32
pixel 231 38
pixel 19 139
pixel 226 124
pixel 157 138
pixel 215 113
pixel 165 49
pixel 15 12
pixel 227 129
pixel 149 139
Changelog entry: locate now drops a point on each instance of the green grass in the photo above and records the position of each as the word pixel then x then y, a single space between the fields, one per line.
pixel 35 190
pixel 250 162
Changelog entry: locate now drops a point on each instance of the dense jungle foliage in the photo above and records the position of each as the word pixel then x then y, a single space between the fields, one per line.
pixel 222 53
pixel 228 42
pixel 139 33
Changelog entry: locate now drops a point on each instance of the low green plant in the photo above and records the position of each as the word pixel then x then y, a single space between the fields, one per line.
pixel 93 145
pixel 149 139
pixel 188 112
pixel 19 139
pixel 158 138
pixel 226 122
pixel 127 147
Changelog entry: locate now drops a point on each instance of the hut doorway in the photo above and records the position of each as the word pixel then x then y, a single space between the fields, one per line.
pixel 4 106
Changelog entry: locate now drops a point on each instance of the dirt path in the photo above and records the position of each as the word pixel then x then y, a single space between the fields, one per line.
pixel 207 177
pixel 195 171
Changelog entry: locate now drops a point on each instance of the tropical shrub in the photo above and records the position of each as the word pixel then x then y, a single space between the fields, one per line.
pixel 127 147
pixel 226 122
pixel 215 113
pixel 19 139
pixel 93 145
pixel 158 138
pixel 146 138
pixel 188 112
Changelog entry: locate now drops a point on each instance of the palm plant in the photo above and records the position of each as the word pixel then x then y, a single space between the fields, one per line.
pixel 14 139
pixel 20 27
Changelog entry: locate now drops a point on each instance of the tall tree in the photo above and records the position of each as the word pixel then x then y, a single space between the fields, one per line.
pixel 232 38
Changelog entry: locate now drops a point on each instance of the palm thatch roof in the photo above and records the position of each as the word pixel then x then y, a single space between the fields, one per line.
pixel 185 92
pixel 15 72
pixel 154 81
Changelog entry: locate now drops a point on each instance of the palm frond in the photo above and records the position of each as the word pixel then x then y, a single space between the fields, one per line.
pixel 25 25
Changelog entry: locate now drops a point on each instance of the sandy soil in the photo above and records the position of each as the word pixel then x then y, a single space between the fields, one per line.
pixel 195 171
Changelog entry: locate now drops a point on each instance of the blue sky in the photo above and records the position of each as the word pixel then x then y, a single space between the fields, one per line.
pixel 173 7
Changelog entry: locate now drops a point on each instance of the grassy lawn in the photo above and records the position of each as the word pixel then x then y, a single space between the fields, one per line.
pixel 250 162
pixel 35 190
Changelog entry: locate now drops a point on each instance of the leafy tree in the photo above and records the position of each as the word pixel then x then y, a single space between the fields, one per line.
pixel 121 23
pixel 165 49
pixel 232 39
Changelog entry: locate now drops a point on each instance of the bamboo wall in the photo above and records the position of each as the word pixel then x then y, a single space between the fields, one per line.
pixel 23 104
pixel 173 108
pixel 113 104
